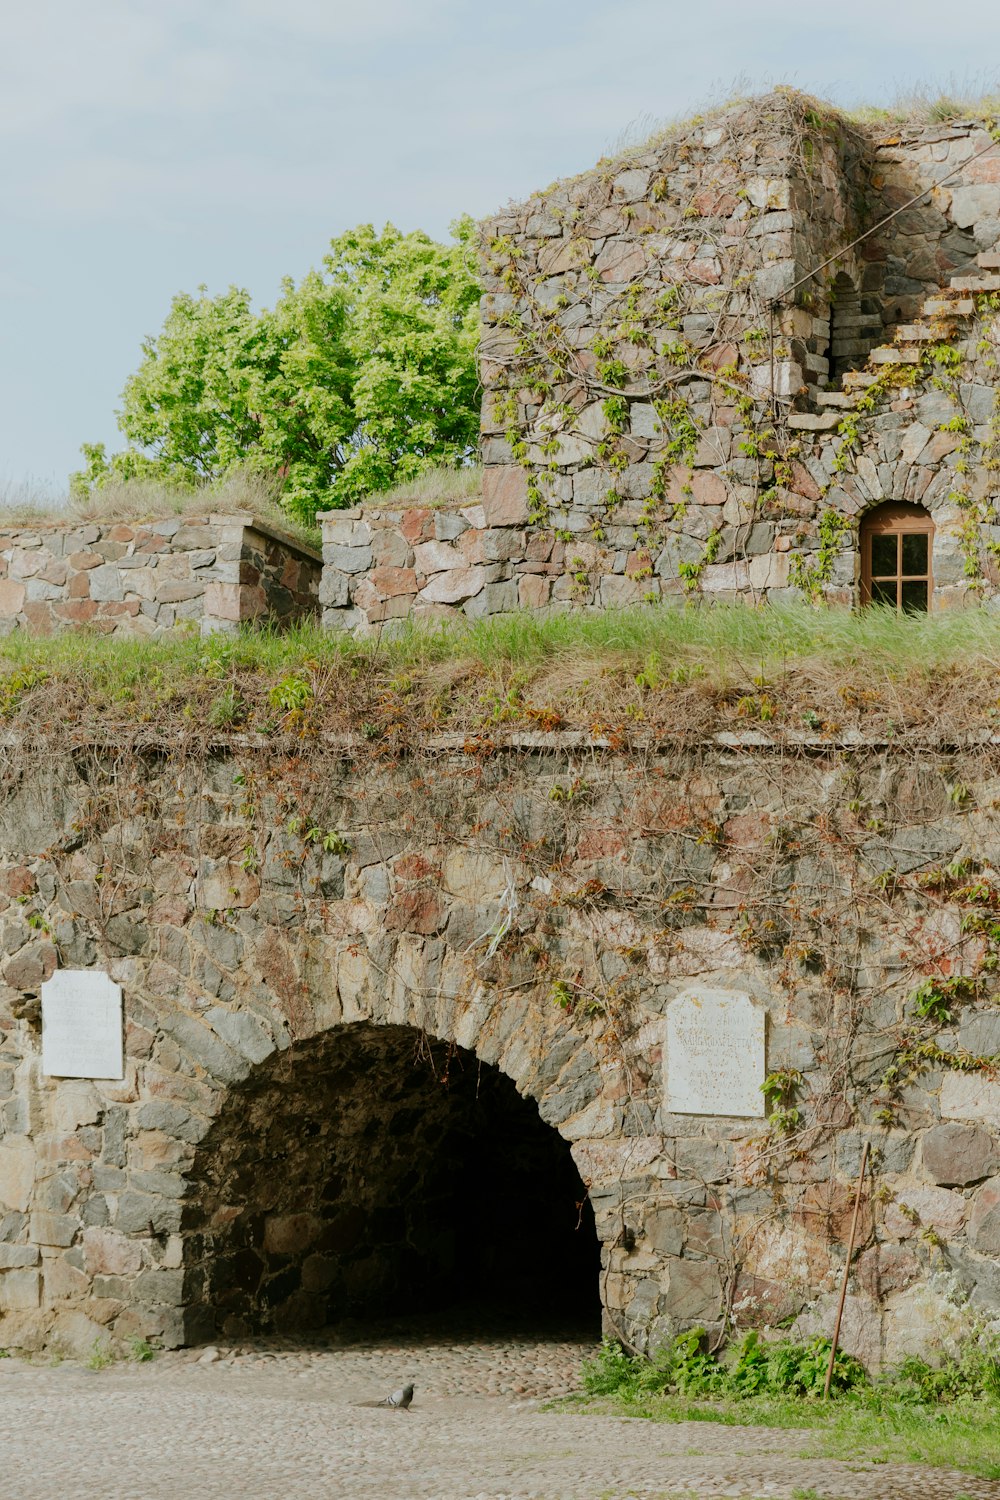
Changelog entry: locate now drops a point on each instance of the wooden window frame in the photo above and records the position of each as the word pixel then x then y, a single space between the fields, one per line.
pixel 897 519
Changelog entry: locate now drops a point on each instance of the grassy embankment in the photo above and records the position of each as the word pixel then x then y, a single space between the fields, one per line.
pixel 653 670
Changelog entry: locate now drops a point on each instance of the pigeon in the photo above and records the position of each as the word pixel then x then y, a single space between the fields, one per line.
pixel 397 1400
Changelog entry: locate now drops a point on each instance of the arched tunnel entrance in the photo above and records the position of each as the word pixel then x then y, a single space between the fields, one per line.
pixel 373 1171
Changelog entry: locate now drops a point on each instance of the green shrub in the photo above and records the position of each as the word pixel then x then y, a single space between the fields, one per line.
pixel 756 1367
pixel 751 1368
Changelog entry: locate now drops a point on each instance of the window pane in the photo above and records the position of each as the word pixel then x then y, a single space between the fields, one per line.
pixel 883 554
pixel 884 593
pixel 915 552
pixel 914 598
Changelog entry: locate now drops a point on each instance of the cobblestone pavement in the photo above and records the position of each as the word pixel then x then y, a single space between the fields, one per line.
pixel 275 1421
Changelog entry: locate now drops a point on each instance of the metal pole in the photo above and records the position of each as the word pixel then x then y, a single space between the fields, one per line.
pixel 847 1268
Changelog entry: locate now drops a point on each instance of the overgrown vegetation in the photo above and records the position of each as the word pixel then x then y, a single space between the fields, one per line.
pixel 947 1415
pixel 151 499
pixel 676 671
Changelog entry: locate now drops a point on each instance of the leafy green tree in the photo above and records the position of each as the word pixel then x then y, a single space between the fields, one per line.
pixel 361 376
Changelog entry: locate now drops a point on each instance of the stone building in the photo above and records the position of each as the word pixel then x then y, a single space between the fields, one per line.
pixel 707 365
pixel 561 1018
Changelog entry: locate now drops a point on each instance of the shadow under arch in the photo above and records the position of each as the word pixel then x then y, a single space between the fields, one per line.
pixel 371 1170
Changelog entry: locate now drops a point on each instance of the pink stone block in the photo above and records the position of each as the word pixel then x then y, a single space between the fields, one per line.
pixel 222 601
pixel 11 598
pixel 533 591
pixel 505 495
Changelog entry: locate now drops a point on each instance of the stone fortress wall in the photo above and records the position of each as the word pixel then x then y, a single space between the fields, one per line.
pixel 244 980
pixel 827 885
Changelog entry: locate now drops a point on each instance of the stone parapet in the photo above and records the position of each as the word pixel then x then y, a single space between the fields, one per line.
pixel 152 578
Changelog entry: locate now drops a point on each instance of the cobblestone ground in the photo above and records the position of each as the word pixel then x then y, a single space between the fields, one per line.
pixel 274 1420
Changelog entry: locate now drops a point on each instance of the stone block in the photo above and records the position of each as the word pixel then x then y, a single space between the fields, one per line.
pixel 348 559
pixel 17 1172
pixel 345 528
pixel 505 495
pixel 419 911
pixel 533 591
pixel 933 1208
pixel 12 597
pixel 246 1034
pixel 63 1281
pixel 289 1234
pixel 500 544
pixel 222 600
pixel 107 1252
pixel 980 1034
pixel 860 1331
pixel 17 1257
pixel 203 1046
pixel 436 557
pixel 984 1219
pixel 141 1213
pixel 388 582
pixel 454 586
pixel 76 1103
pixel 954 1155
pixel 226 885
pixel 31 966
pixel 921 1321
pixel 20 1291
pixel 106 583
pixel 970 1096
pixel 334 589
pixel 971 203
pixel 694 1291
pixel 54 1229
pixel 153 1287
pixel 644 420
pixel 664 1230
pixel 703 1160
pixel 499 598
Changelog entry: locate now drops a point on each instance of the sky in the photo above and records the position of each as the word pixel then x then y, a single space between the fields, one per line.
pixel 150 146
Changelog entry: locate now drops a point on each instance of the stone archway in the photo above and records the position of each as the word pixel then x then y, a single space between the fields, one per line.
pixel 374 1170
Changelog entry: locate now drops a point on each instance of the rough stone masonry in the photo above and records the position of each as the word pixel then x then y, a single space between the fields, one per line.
pixel 469 902
pixel 670 411
pixel 535 906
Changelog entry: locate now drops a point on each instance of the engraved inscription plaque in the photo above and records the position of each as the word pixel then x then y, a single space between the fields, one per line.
pixel 82 1025
pixel 715 1054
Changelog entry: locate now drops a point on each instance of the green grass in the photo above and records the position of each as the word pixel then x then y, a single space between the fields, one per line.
pixel 138 500
pixel 946 1415
pixel 436 487
pixel 716 639
pixel 692 669
pixel 964 1435
pixel 101 1355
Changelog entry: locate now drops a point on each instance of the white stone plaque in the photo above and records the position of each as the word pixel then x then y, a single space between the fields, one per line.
pixel 715 1054
pixel 82 1025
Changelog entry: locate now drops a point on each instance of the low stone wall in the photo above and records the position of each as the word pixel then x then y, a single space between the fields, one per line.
pixel 148 579
pixel 435 562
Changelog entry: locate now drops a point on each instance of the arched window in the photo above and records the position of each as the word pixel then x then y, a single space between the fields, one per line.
pixel 896 545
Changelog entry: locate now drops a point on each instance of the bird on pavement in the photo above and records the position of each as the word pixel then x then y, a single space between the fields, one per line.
pixel 397 1400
